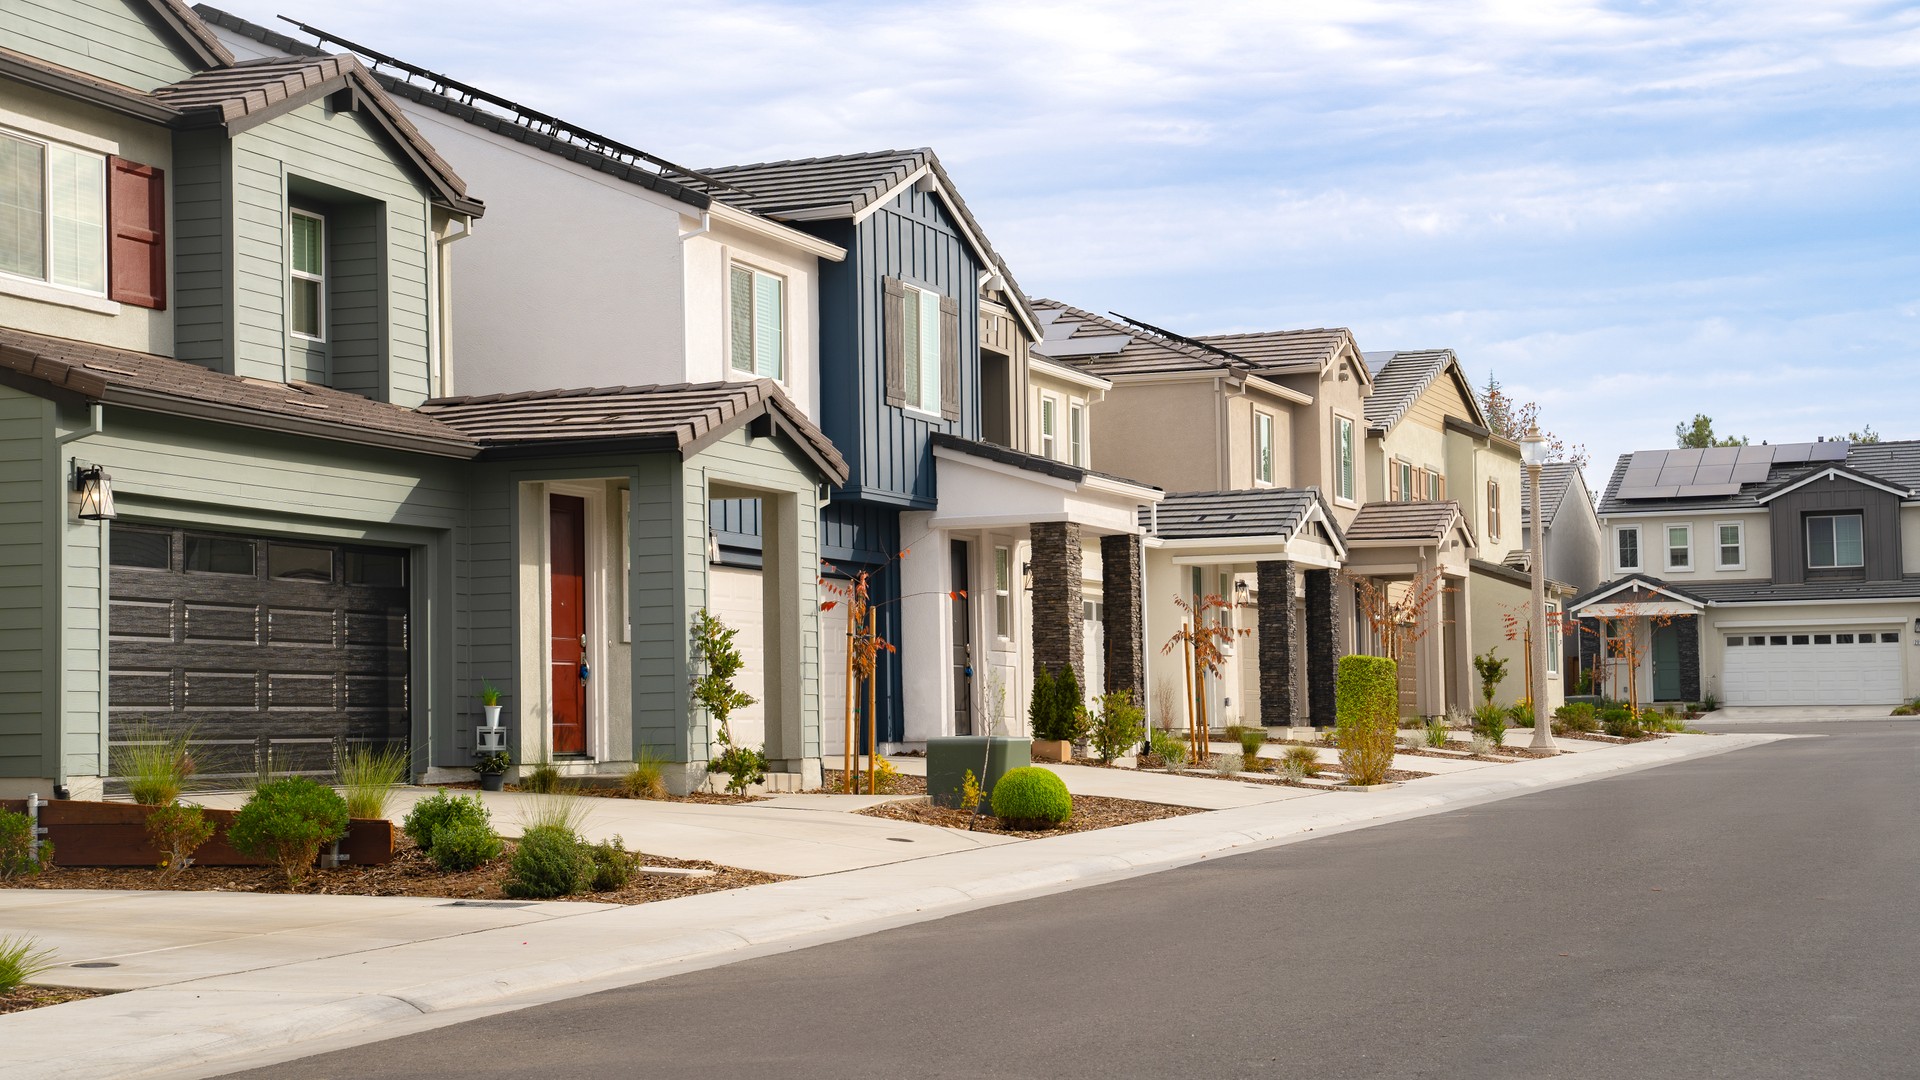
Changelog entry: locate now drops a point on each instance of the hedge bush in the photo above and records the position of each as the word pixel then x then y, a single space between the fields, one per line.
pixel 177 832
pixel 550 861
pixel 1031 798
pixel 287 821
pixel 1059 711
pixel 1575 716
pixel 443 810
pixel 462 845
pixel 1367 701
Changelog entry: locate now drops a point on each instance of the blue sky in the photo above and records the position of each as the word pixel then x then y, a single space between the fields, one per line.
pixel 1629 212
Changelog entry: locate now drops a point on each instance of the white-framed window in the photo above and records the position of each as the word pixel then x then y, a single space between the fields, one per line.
pixel 921 339
pixel 1077 434
pixel 1343 478
pixel 53 213
pixel 1436 486
pixel 1731 545
pixel 1493 509
pixel 307 274
pixel 1050 427
pixel 1626 547
pixel 1003 592
pixel 1553 637
pixel 1679 548
pixel 1262 447
pixel 1835 540
pixel 1406 482
pixel 756 321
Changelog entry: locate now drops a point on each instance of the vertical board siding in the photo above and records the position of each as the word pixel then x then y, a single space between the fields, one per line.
pixel 108 39
pixel 1879 527
pixel 25 480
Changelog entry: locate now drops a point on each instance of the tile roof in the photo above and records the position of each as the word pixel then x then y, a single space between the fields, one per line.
pixel 684 417
pixel 1398 381
pixel 157 384
pixel 1269 349
pixel 1409 521
pixel 1142 353
pixel 1019 459
pixel 192 31
pixel 1636 582
pixel 1762 591
pixel 1191 515
pixel 1556 479
pixel 1895 463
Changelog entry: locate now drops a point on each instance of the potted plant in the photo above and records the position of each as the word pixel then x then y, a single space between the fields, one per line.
pixel 492 766
pixel 490 701
pixel 1057 714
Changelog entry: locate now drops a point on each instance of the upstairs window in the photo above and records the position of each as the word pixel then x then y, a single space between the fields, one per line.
pixel 1626 544
pixel 921 336
pixel 1834 541
pixel 1262 448
pixel 1436 486
pixel 53 214
pixel 307 273
pixel 1343 457
pixel 1493 509
pixel 1049 427
pixel 1732 553
pixel 1679 547
pixel 1077 434
pixel 757 323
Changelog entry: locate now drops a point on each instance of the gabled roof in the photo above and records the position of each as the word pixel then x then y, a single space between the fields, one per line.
pixel 1894 462
pixel 1636 583
pixel 1399 378
pixel 1200 515
pixel 191 32
pixel 851 186
pixel 1691 479
pixel 685 417
pixel 1127 350
pixel 1556 479
pixel 57 368
pixel 1285 350
pixel 1406 522
pixel 1794 483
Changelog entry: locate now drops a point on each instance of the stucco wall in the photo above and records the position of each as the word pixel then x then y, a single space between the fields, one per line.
pixel 1759 550
pixel 1183 418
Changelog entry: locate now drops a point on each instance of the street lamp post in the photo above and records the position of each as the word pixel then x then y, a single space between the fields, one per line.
pixel 1533 452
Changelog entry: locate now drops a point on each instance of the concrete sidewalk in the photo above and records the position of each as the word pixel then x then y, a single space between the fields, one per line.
pixel 240 980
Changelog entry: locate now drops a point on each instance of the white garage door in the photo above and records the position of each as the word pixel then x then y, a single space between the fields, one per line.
pixel 736 602
pixel 1814 667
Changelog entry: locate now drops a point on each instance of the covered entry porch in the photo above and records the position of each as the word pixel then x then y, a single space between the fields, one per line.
pixel 1409 563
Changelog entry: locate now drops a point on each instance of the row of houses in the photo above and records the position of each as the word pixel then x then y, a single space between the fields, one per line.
pixel 302 441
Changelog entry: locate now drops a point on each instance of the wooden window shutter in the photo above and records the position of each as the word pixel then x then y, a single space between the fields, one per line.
pixel 137 234
pixel 949 358
pixel 893 321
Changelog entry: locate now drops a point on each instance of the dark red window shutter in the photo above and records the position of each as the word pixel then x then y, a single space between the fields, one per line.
pixel 137 219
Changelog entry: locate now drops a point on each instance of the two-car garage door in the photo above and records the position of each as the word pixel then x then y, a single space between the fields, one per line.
pixel 1814 667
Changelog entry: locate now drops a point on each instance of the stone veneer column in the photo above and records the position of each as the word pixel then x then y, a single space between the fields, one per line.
pixel 1323 644
pixel 1688 627
pixel 1058 636
pixel 1279 681
pixel 1124 615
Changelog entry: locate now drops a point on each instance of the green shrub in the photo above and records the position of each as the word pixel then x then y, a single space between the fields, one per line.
pixel 21 959
pixel 463 845
pixel 1251 740
pixel 1031 798
pixel 1437 733
pixel 16 847
pixel 441 811
pixel 549 861
pixel 1492 670
pixel 1620 722
pixel 155 766
pixel 1119 726
pixel 368 777
pixel 613 865
pixel 1059 711
pixel 1301 758
pixel 1521 713
pixel 1040 706
pixel 287 821
pixel 542 779
pixel 1490 723
pixel 1367 699
pixel 1169 748
pixel 742 765
pixel 178 831
pixel 1575 717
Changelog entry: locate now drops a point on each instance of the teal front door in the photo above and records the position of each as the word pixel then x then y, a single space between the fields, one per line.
pixel 1666 663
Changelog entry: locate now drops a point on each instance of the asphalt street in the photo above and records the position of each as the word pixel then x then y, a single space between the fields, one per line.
pixel 1750 915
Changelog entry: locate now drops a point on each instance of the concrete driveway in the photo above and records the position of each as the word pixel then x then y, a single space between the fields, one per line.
pixel 1741 716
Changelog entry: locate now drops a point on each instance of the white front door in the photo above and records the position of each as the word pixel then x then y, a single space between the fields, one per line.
pixel 1814 667
pixel 1093 634
pixel 736 602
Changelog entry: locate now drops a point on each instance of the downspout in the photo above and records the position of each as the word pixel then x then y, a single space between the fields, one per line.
pixel 96 423
pixel 444 302
pixel 706 226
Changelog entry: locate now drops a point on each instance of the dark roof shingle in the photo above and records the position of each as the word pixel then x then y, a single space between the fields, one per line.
pixel 1409 521
pixel 1192 515
pixel 1556 479
pixel 1399 381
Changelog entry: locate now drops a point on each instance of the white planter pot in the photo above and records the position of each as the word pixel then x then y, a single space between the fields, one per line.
pixel 493 715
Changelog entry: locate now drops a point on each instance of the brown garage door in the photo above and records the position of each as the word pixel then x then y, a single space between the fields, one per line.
pixel 262 646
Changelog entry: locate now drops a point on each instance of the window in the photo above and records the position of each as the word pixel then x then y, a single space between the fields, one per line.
pixel 53 214
pixel 1736 641
pixel 756 314
pixel 140 549
pixel 1733 545
pixel 1800 639
pixel 219 555
pixel 1843 639
pixel 1889 639
pixel 1679 547
pixel 1343 456
pixel 1436 487
pixel 307 273
pixel 1049 426
pixel 1823 639
pixel 1833 540
pixel 1003 592
pixel 921 338
pixel 1406 482
pixel 379 569
pixel 297 562
pixel 1493 509
pixel 1262 448
pixel 1553 639
pixel 1626 543
pixel 1077 434
pixel 1777 639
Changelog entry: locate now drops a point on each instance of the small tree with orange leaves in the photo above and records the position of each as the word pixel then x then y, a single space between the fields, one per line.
pixel 1207 638
pixel 1395 616
pixel 1625 650
pixel 1519 627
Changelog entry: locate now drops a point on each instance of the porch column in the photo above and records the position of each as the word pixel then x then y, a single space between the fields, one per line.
pixel 1323 644
pixel 1279 682
pixel 1124 615
pixel 1687 627
pixel 1058 637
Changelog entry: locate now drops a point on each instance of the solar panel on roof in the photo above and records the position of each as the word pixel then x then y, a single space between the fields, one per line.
pixel 1708 491
pixel 1792 453
pixel 1688 458
pixel 1751 454
pixel 1713 474
pixel 1720 455
pixel 1829 451
pixel 1751 472
pixel 1646 459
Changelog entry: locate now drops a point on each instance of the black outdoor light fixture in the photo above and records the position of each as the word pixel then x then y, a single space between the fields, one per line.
pixel 96 493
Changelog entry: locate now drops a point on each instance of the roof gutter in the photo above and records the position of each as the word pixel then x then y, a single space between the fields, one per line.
pixel 259 421
pixel 736 218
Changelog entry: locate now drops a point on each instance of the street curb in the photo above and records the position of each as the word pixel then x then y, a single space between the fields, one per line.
pixel 150 1032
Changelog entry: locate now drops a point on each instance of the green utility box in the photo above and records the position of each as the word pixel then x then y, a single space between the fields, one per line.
pixel 949 759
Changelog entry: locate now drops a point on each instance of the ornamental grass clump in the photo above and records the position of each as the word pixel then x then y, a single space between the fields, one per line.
pixel 1031 798
pixel 549 861
pixel 1367 701
pixel 155 765
pixel 1437 733
pixel 464 845
pixel 368 776
pixel 1118 726
pixel 21 959
pixel 1169 748
pixel 443 810
pixel 287 822
pixel 647 779
pixel 1301 758
pixel 1490 723
pixel 1251 740
pixel 177 832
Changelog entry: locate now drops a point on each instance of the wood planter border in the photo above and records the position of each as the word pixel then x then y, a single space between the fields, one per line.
pixel 115 834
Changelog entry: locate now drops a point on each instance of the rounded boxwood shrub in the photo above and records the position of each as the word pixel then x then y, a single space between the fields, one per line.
pixel 287 821
pixel 443 810
pixel 1031 798
pixel 550 861
pixel 464 845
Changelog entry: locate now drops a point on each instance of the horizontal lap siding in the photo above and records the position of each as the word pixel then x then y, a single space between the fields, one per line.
pixel 202 254
pixel 25 491
pixel 108 39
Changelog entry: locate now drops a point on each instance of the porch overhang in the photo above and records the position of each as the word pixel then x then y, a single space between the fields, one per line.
pixel 1636 597
pixel 990 487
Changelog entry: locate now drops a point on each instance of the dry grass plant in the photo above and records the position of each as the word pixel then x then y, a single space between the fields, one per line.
pixel 368 776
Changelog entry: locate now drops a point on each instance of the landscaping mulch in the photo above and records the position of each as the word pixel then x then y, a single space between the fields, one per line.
pixel 410 873
pixel 903 784
pixel 23 998
pixel 1089 812
pixel 614 791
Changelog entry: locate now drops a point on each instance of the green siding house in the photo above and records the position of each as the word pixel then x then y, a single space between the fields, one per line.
pixel 234 504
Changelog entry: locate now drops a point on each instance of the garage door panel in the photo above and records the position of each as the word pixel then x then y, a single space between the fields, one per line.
pixel 223 691
pixel 221 622
pixel 142 690
pixel 302 627
pixel 385 630
pixel 1789 669
pixel 286 690
pixel 151 620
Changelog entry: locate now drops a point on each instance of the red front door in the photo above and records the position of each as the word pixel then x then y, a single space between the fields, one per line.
pixel 567 540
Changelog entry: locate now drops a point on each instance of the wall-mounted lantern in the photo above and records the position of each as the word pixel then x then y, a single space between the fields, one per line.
pixel 96 493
